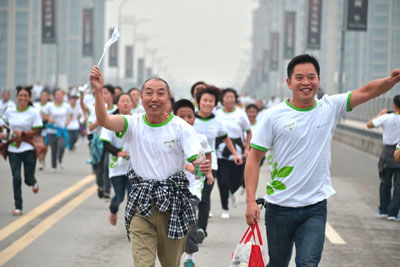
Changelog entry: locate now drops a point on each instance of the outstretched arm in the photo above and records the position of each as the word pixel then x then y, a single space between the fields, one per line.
pixel 112 122
pixel 370 124
pixel 374 89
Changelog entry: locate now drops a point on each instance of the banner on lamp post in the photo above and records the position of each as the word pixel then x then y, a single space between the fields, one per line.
pixel 48 22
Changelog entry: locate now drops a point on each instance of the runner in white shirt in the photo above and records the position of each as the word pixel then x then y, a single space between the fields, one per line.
pixel 74 126
pixel 135 95
pixel 230 170
pixel 185 109
pixel 41 105
pixel 208 124
pixel 300 132
pixel 59 115
pixel 388 168
pixel 5 103
pixel 118 158
pixel 23 121
pixel 102 178
pixel 159 143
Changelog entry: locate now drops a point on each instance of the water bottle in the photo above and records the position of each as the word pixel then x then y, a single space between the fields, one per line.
pixel 201 157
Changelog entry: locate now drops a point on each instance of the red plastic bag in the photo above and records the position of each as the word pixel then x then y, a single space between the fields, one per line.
pixel 248 254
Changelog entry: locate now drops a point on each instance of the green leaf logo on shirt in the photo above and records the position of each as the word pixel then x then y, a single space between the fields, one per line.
pixel 278 173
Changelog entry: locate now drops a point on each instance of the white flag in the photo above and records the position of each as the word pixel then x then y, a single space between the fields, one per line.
pixel 114 37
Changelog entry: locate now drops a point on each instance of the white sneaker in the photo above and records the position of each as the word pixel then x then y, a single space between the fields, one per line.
pixel 234 201
pixel 210 215
pixel 60 166
pixel 225 214
pixel 53 170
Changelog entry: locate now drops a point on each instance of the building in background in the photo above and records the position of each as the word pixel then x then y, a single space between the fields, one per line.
pixel 283 29
pixel 55 42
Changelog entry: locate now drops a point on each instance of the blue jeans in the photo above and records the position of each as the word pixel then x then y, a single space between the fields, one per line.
pixel 304 227
pixel 120 184
pixel 390 204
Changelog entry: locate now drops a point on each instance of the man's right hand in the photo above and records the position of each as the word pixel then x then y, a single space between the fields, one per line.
pixel 252 213
pixel 237 159
pixel 96 80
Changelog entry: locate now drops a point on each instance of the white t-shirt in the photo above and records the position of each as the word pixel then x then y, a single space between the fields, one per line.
pixel 301 142
pixel 76 113
pixel 25 120
pixel 117 165
pixel 5 105
pixel 236 123
pixel 211 128
pixel 159 150
pixel 92 117
pixel 391 127
pixel 139 109
pixel 196 186
pixel 60 115
pixel 39 107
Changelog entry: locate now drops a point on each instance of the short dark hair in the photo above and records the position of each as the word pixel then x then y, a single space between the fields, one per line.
pixel 157 79
pixel 396 101
pixel 117 99
pixel 212 90
pixel 194 86
pixel 301 59
pixel 230 90
pixel 181 104
pixel 249 106
pixel 110 89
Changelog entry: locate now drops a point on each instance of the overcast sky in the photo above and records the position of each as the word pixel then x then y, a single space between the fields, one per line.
pixel 200 39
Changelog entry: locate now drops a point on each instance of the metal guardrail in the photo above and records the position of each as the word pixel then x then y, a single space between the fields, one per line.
pixel 370 109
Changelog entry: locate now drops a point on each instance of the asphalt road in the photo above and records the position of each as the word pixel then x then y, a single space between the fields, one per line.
pixel 67 225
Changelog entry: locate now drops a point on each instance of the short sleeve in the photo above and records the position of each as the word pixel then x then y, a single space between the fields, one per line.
pixel 37 119
pixel 340 103
pixel 245 123
pixel 380 121
pixel 221 131
pixel 46 109
pixel 262 139
pixel 125 135
pixel 190 142
pixel 106 135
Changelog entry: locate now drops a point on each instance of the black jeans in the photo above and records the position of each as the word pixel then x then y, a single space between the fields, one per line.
pixel 102 179
pixel 16 160
pixel 205 204
pixel 230 178
pixel 389 204
pixel 57 145
pixel 73 137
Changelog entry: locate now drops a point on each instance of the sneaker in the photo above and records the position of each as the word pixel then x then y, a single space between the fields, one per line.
pixel 234 201
pixel 189 263
pixel 225 214
pixel 393 218
pixel 100 193
pixel 53 170
pixel 200 235
pixel 41 166
pixel 210 215
pixel 380 214
pixel 35 188
pixel 112 217
pixel 16 212
pixel 107 197
pixel 60 166
pixel 242 191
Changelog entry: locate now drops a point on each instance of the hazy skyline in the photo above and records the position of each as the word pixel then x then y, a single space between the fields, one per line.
pixel 200 40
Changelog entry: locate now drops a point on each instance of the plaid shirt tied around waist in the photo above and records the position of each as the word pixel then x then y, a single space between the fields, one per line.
pixel 171 195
